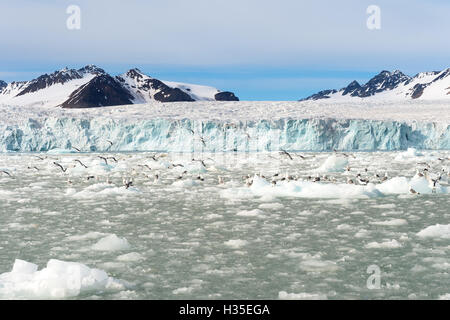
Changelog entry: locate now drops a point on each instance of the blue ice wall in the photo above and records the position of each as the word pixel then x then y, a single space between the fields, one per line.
pixel 217 136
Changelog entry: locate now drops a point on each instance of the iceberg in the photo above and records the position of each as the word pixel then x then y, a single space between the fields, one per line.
pixel 193 135
pixel 58 280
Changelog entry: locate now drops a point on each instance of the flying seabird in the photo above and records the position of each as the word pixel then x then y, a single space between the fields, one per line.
pixel 76 160
pixel 6 172
pixel 201 161
pixel 144 165
pixel 181 175
pixel 110 144
pixel 284 152
pixel 78 150
pixel 104 159
pixel 57 164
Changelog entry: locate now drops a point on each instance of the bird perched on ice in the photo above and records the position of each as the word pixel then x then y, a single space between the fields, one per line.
pixel 412 191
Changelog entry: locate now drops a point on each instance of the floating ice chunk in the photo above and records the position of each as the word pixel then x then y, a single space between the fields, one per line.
pixel 111 243
pixel 283 295
pixel 408 154
pixel 401 185
pixel 344 226
pixel 436 231
pixel 391 244
pixel 315 265
pixel 59 279
pixel 385 206
pixel 272 206
pixel 444 296
pixel 333 164
pixel 104 190
pixel 250 213
pixel 391 222
pixel 185 183
pixel 213 216
pixel 184 290
pixel 362 233
pixel 236 244
pixel 21 266
pixel 130 257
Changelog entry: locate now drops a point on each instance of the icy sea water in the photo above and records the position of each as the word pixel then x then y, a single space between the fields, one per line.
pixel 192 239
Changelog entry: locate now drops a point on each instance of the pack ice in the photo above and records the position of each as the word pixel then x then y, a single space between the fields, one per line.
pixel 229 126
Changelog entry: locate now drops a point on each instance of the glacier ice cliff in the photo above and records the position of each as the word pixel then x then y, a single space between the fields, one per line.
pixel 217 136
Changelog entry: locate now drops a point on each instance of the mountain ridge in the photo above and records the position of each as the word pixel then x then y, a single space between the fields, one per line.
pixel 91 86
pixel 393 85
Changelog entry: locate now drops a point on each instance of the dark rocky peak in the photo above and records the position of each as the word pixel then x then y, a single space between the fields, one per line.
pixel 445 73
pixel 145 84
pixel 325 94
pixel 3 84
pixel 47 80
pixel 91 69
pixel 166 93
pixel 103 90
pixel 417 90
pixel 385 80
pixel 226 96
pixel 135 74
pixel 352 88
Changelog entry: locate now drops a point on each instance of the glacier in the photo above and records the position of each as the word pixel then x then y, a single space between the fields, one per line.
pixel 195 135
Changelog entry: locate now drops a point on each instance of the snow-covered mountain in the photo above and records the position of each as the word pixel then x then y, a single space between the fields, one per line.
pixel 393 86
pixel 92 87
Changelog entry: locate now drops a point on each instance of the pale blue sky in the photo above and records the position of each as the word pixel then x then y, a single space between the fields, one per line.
pixel 261 50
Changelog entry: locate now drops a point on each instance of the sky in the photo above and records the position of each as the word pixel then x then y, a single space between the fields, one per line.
pixel 259 49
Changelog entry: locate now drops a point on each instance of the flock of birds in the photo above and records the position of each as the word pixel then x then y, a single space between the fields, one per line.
pixel 351 175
